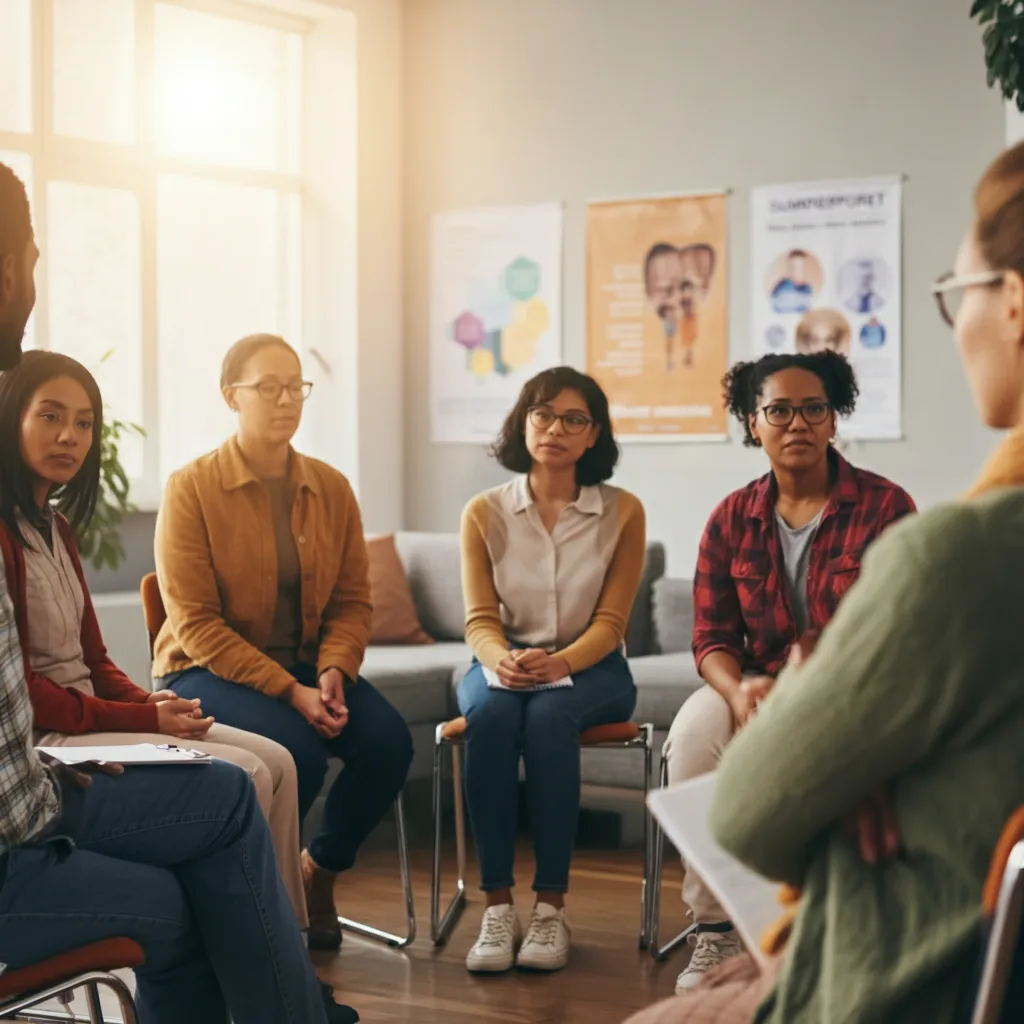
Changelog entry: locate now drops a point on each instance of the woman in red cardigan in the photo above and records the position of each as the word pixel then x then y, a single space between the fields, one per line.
pixel 51 417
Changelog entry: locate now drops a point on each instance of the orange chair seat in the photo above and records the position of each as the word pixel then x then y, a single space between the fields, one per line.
pixel 108 955
pixel 617 732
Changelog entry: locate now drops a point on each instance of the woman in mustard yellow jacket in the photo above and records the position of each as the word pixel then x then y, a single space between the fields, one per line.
pixel 263 571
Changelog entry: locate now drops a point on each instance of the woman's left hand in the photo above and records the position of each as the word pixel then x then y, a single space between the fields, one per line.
pixel 332 692
pixel 159 696
pixel 541 665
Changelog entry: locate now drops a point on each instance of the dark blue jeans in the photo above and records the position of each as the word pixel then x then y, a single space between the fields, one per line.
pixel 180 860
pixel 544 729
pixel 375 747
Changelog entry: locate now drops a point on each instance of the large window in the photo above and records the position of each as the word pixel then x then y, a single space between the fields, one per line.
pixel 161 142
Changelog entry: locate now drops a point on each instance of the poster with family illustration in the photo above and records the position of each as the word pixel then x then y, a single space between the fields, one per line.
pixel 826 275
pixel 656 314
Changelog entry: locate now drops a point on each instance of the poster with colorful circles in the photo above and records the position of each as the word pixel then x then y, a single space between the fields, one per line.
pixel 826 276
pixel 495 313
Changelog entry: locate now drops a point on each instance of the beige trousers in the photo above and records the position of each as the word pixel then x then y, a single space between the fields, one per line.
pixel 272 770
pixel 701 730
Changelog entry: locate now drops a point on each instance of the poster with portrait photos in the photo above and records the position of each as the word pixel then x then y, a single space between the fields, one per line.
pixel 826 260
pixel 657 276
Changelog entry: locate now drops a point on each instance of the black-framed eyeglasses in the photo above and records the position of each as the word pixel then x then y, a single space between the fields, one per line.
pixel 271 390
pixel 572 422
pixel 781 414
pixel 949 290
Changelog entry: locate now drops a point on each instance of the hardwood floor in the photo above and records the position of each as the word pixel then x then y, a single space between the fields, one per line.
pixel 607 979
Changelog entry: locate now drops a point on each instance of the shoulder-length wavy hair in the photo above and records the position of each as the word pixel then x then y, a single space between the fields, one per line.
pixel 596 464
pixel 77 498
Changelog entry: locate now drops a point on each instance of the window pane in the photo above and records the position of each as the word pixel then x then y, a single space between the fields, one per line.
pixel 221 89
pixel 218 279
pixel 95 283
pixel 21 164
pixel 15 65
pixel 94 69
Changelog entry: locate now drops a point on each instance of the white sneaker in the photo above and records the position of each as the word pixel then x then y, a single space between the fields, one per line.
pixel 709 950
pixel 500 934
pixel 546 946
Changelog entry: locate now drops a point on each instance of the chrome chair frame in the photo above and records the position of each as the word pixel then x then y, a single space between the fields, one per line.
pixel 24 1007
pixel 441 925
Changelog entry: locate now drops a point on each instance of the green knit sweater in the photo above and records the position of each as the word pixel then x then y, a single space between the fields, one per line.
pixel 918 680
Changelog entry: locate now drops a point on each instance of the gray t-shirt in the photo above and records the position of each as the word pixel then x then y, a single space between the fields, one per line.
pixel 796 553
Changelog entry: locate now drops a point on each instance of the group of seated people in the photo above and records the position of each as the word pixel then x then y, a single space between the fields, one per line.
pixel 871 771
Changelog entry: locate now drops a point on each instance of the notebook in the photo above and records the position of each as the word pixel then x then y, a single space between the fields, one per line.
pixel 128 754
pixel 751 901
pixel 494 683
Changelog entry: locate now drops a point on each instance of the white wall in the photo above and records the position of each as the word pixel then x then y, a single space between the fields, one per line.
pixel 533 100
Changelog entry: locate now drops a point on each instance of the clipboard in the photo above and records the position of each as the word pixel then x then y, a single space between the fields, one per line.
pixel 128 754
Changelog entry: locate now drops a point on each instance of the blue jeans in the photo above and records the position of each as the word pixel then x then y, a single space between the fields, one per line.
pixel 180 860
pixel 375 747
pixel 544 729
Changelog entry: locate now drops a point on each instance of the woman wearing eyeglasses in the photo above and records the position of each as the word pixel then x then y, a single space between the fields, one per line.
pixel 775 560
pixel 551 562
pixel 263 571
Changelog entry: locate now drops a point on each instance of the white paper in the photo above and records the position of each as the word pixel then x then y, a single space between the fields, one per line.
pixel 128 754
pixel 494 683
pixel 495 313
pixel 843 293
pixel 751 901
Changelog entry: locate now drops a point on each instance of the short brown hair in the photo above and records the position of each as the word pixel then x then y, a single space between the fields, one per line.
pixel 243 350
pixel 999 211
pixel 596 464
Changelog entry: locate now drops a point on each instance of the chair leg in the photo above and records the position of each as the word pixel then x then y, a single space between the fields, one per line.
pixel 92 1001
pixel 645 885
pixel 369 932
pixel 654 903
pixel 441 925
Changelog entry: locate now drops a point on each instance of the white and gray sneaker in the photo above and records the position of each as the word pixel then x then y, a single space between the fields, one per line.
pixel 709 950
pixel 500 935
pixel 546 946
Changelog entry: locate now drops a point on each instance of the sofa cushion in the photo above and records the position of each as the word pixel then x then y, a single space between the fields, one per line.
pixel 673 615
pixel 640 629
pixel 394 614
pixel 663 682
pixel 433 567
pixel 417 680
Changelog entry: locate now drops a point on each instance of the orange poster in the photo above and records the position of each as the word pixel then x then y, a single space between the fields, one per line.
pixel 657 276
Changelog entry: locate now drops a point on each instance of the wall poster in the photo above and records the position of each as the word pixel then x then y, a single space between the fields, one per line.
pixel 826 260
pixel 657 340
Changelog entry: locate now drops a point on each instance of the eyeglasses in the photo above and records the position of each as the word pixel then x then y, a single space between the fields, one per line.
pixel 779 414
pixel 949 290
pixel 572 422
pixel 271 390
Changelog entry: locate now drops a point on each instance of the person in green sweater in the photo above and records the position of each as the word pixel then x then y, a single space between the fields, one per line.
pixel 878 774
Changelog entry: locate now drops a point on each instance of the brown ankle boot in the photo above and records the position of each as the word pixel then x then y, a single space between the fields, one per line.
pixel 324 930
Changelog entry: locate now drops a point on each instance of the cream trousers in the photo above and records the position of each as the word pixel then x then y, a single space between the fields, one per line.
pixel 271 769
pixel 701 730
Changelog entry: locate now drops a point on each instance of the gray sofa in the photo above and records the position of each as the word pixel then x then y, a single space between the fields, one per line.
pixel 421 681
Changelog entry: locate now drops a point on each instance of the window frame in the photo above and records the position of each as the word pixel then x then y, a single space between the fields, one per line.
pixel 136 169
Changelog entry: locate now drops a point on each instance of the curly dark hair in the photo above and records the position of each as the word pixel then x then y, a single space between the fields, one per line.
pixel 744 384
pixel 596 464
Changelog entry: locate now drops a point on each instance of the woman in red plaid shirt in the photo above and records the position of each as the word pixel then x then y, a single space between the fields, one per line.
pixel 775 560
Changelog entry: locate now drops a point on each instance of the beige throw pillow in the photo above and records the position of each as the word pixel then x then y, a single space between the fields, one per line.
pixel 395 620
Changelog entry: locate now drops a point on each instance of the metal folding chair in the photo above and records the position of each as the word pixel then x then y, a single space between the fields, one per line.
pixel 618 736
pixel 654 903
pixel 155 614
pixel 1004 942
pixel 60 977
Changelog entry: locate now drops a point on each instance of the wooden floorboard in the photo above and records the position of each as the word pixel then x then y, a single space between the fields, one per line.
pixel 607 979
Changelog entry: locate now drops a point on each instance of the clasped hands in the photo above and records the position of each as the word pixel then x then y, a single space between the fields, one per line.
pixel 871 826
pixel 323 706
pixel 520 670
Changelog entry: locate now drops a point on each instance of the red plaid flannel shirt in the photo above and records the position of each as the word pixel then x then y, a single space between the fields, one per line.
pixel 740 593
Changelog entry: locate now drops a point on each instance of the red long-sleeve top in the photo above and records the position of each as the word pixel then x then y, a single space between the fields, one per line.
pixel 118 705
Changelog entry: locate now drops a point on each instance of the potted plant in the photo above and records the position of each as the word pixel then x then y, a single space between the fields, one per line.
pixel 1004 45
pixel 100 542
